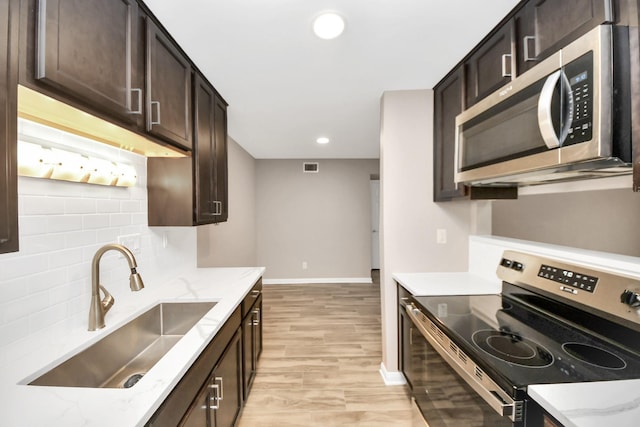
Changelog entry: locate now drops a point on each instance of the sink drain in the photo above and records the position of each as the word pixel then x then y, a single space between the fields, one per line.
pixel 132 380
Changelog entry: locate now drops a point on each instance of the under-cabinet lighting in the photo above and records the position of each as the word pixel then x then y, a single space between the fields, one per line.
pixel 322 140
pixel 37 161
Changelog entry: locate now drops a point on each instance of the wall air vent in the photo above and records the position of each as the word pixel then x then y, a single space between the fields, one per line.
pixel 310 167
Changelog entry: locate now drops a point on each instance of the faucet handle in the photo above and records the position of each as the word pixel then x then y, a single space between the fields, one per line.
pixel 107 301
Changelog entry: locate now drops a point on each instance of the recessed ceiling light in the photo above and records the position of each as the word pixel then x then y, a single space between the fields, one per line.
pixel 322 140
pixel 328 25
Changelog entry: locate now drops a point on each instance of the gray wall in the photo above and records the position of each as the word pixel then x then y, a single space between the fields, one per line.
pixel 323 219
pixel 604 220
pixel 232 243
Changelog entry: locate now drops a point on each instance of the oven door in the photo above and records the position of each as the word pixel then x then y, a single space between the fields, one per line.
pixel 443 397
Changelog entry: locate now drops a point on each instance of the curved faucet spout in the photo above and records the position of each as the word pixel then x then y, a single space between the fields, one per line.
pixel 98 308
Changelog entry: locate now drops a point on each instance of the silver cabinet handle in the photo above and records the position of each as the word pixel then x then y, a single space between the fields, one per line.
pixel 545 120
pixel 255 293
pixel 217 208
pixel 221 397
pixel 525 42
pixel 213 400
pixel 504 65
pixel 157 104
pixel 256 313
pixel 139 92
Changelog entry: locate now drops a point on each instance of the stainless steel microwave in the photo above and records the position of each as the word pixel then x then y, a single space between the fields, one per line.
pixel 566 118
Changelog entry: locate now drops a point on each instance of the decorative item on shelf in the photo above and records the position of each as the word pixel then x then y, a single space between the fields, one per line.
pixel 37 161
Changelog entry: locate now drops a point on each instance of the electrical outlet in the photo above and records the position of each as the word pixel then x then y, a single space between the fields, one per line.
pixel 304 265
pixel 131 242
pixel 441 236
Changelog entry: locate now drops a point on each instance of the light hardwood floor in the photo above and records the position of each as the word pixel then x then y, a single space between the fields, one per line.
pixel 320 362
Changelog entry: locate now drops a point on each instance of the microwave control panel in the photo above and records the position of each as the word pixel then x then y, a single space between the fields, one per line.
pixel 580 75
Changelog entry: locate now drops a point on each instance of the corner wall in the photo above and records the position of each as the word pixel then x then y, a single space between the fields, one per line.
pixel 409 217
pixel 233 243
pixel 322 219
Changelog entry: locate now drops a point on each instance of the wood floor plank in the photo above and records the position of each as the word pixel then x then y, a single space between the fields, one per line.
pixel 321 360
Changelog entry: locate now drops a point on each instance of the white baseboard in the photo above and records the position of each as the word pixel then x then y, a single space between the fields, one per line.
pixel 391 378
pixel 321 280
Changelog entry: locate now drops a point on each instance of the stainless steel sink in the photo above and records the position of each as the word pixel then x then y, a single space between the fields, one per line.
pixel 121 358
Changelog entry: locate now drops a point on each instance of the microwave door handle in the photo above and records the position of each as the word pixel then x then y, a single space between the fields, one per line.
pixel 568 110
pixel 545 122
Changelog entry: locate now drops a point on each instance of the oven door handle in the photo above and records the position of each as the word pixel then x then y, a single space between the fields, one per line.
pixel 495 397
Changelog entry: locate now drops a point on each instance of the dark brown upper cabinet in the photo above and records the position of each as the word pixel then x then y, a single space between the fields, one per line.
pixel 168 89
pixel 544 26
pixel 448 102
pixel 221 194
pixel 210 154
pixel 193 190
pixel 491 65
pixel 88 49
pixel 9 129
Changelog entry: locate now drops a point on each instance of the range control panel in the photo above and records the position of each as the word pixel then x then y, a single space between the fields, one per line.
pixel 616 295
pixel 575 279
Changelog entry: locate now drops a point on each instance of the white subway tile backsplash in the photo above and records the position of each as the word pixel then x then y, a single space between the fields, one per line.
pixel 119 220
pixel 80 238
pixel 46 280
pixel 18 266
pixel 63 223
pixel 23 307
pixel 33 225
pixel 65 258
pixel 37 205
pixel 130 206
pixel 13 331
pixel 50 315
pixel 80 206
pixel 92 222
pixel 109 206
pixel 13 289
pixel 47 283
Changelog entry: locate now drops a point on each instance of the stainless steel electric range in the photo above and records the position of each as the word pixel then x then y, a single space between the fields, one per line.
pixel 472 357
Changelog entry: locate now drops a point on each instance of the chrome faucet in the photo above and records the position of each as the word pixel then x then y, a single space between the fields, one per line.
pixel 98 308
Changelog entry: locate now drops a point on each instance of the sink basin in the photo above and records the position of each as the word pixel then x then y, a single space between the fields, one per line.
pixel 121 358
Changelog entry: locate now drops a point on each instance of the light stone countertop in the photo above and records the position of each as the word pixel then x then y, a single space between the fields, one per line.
pixel 424 284
pixel 25 405
pixel 595 404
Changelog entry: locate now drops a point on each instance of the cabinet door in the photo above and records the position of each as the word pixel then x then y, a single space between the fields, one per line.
pixel 8 130
pixel 168 89
pixel 203 156
pixel 448 97
pixel 551 24
pixel 200 413
pixel 226 400
pixel 252 345
pixel 85 48
pixel 491 66
pixel 404 341
pixel 220 160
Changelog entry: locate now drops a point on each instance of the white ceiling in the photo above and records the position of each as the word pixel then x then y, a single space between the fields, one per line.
pixel 286 87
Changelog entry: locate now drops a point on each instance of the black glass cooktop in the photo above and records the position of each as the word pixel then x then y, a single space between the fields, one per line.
pixel 519 345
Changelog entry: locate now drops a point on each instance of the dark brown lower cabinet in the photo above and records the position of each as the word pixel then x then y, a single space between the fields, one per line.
pixel 218 370
pixel 220 399
pixel 252 344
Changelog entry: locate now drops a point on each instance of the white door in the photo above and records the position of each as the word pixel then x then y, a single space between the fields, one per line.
pixel 375 224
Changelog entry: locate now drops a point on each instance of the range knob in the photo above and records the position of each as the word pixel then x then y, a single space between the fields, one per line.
pixel 631 298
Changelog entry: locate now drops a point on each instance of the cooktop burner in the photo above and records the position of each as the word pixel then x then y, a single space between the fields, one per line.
pixel 512 348
pixel 594 355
